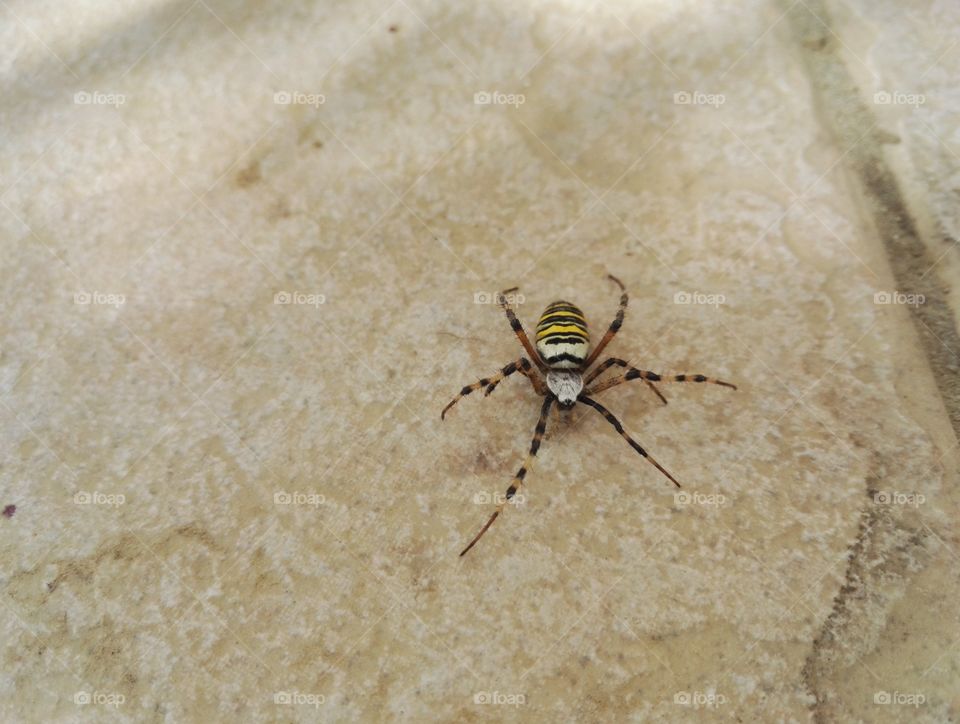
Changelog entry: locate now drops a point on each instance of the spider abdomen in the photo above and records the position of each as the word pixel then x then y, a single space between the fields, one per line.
pixel 562 336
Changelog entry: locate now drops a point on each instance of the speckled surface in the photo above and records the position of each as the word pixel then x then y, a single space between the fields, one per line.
pixel 246 268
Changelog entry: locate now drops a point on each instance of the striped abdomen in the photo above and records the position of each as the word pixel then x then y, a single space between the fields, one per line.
pixel 562 337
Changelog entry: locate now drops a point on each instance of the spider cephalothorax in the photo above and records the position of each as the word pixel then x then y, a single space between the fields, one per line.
pixel 561 357
pixel 566 386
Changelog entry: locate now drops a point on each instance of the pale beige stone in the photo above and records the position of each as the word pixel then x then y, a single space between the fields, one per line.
pixel 186 404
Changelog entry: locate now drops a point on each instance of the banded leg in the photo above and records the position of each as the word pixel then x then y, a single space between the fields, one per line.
pixel 607 364
pixel 518 328
pixel 635 374
pixel 522 364
pixel 614 325
pixel 619 428
pixel 526 369
pixel 517 481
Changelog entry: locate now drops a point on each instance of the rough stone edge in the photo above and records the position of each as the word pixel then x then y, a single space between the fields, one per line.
pixel 844 113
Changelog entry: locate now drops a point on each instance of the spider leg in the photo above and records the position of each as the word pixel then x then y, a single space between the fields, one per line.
pixel 522 365
pixel 614 325
pixel 526 369
pixel 619 428
pixel 601 368
pixel 517 481
pixel 656 391
pixel 633 374
pixel 518 328
pixel 610 362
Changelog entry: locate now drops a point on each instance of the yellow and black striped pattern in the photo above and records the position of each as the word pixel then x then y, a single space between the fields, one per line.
pixel 562 336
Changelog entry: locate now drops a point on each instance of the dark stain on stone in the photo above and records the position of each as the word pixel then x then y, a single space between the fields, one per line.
pixel 125 548
pixel 482 463
pixel 279 210
pixel 9 510
pixel 249 175
pixel 817 43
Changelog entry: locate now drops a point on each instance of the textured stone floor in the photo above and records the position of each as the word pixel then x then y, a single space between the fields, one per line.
pixel 248 254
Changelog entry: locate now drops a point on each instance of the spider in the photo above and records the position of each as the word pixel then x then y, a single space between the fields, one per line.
pixel 561 357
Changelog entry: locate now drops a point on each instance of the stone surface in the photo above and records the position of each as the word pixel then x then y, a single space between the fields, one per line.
pixel 249 264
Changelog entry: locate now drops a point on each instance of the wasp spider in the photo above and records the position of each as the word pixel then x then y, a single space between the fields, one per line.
pixel 561 356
